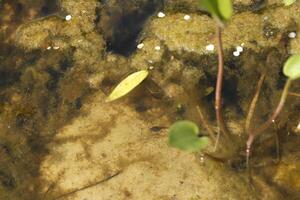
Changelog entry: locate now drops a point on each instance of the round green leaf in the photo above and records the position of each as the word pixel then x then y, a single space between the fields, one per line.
pixel 184 135
pixel 128 84
pixel 292 67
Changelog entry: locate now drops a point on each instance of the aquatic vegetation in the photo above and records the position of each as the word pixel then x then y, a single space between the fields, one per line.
pixel 127 85
pixel 291 69
pixel 288 2
pixel 184 135
pixel 221 11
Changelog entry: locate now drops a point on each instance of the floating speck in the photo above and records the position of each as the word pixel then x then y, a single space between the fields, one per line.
pixel 151 67
pixel 49 48
pixel 242 44
pixel 68 17
pixel 292 35
pixel 55 48
pixel 187 17
pixel 210 47
pixel 202 159
pixel 161 15
pixel 239 49
pixel 140 46
pixel 236 53
pixel 266 18
pixel 157 48
pixel 273 121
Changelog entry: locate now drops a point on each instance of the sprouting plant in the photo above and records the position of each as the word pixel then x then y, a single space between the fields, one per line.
pixel 289 2
pixel 291 69
pixel 221 11
pixel 183 134
pixel 127 85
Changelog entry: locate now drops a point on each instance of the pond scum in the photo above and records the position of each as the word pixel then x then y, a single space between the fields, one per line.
pixel 94 95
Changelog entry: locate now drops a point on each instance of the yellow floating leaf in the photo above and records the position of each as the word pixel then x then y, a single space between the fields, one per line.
pixel 128 84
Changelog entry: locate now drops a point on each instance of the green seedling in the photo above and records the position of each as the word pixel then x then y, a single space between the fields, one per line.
pixel 291 69
pixel 127 85
pixel 184 136
pixel 288 2
pixel 222 11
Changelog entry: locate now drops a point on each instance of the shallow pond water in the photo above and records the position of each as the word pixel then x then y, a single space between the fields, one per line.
pixel 59 139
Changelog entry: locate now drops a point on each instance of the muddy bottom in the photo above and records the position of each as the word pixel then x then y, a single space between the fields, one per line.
pixel 60 139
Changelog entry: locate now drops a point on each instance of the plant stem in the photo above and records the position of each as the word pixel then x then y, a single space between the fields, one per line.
pixel 263 127
pixel 205 124
pixel 254 102
pixel 218 95
pixel 294 94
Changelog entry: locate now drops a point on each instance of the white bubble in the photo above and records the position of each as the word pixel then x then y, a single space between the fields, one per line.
pixel 236 53
pixel 140 46
pixel 157 48
pixel 55 48
pixel 187 17
pixel 49 48
pixel 292 35
pixel 161 15
pixel 68 17
pixel 239 49
pixel 210 47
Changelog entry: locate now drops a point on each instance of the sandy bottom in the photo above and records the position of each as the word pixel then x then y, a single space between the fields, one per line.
pixel 109 152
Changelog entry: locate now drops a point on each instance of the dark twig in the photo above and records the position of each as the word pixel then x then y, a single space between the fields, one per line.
pixel 88 186
pixel 253 134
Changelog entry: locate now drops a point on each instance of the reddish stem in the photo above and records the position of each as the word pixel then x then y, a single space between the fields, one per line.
pixel 253 134
pixel 218 97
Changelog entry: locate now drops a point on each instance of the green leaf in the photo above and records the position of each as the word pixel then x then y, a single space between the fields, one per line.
pixel 288 2
pixel 127 85
pixel 210 6
pixel 184 135
pixel 292 67
pixel 225 9
pixel 221 9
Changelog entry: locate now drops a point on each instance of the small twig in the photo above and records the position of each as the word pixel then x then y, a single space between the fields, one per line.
pixel 294 94
pixel 88 186
pixel 205 124
pixel 51 186
pixel 253 134
pixel 218 95
pixel 254 102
